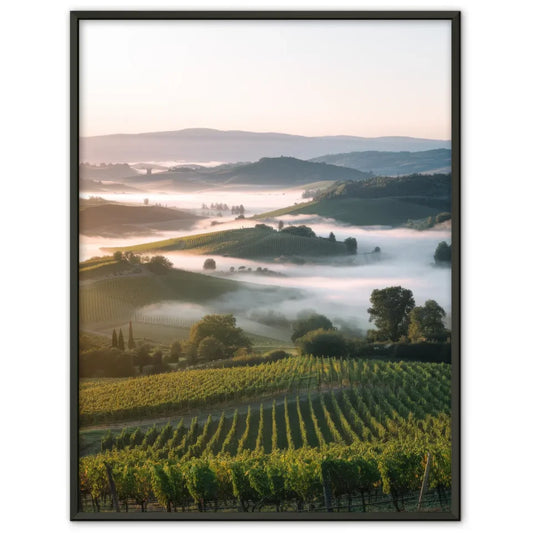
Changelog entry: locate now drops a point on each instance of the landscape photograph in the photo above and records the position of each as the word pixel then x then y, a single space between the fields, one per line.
pixel 265 269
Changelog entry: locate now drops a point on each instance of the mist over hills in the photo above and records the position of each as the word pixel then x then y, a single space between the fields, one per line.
pixel 393 163
pixel 267 172
pixel 203 145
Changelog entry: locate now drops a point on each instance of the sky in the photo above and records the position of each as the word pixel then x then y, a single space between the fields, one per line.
pixel 365 78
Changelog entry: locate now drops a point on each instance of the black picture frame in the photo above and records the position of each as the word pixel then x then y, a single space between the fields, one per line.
pixel 455 18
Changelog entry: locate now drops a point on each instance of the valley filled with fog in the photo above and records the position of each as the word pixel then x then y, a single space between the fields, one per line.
pixel 339 287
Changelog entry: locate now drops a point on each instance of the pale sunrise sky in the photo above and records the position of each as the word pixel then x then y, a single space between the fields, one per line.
pixel 365 78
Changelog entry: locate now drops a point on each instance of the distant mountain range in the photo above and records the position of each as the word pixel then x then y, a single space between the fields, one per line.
pixel 393 163
pixel 204 144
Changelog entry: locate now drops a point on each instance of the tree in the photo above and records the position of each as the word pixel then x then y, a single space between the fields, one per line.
pixel 323 343
pixel 114 341
pixel 310 323
pixel 210 264
pixel 142 357
pixel 302 231
pixel 223 328
pixel 351 245
pixel 117 256
pixel 159 264
pixel 120 340
pixel 131 342
pixel 443 253
pixel 157 361
pixel 175 351
pixel 390 311
pixel 332 237
pixel 280 225
pixel 210 349
pixel 425 323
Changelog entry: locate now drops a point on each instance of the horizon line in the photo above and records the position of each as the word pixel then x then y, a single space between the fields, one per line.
pixel 263 133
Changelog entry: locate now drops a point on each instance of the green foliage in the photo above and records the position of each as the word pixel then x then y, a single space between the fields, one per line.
pixel 142 356
pixel 401 471
pixel 120 342
pixel 390 311
pixel 159 264
pixel 443 253
pixel 323 343
pixel 105 362
pixel 222 328
pixel 310 323
pixel 114 340
pixel 131 342
pixel 210 264
pixel 426 323
pixel 302 231
pixel 107 442
pixel 209 349
pixel 168 485
pixel 249 243
pixel 351 245
pixel 105 401
pixel 175 351
pixel 201 482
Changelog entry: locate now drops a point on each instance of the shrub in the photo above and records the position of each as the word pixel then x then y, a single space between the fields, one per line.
pixel 323 343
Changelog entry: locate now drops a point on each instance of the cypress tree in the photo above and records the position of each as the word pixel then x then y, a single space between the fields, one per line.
pixel 120 340
pixel 114 339
pixel 131 342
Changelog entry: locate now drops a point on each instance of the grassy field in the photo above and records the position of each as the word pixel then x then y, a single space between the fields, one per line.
pixel 246 243
pixel 360 211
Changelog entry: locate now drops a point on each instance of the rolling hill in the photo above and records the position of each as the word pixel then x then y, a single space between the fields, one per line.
pixel 378 201
pixel 393 163
pixel 286 171
pixel 258 242
pixel 267 172
pixel 202 144
pixel 110 218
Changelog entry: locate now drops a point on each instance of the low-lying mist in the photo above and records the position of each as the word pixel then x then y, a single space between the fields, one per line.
pixel 339 288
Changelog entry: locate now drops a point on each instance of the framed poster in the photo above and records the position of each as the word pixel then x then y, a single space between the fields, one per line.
pixel 265 265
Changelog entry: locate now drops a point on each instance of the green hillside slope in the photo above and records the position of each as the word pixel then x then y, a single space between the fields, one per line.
pixel 246 243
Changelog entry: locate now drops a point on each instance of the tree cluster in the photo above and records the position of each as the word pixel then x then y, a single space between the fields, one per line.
pixel 213 337
pixel 395 315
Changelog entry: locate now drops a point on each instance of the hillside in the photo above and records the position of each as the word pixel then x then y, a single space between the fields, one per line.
pixel 111 293
pixel 202 144
pixel 267 172
pixel 106 171
pixel 110 218
pixel 378 201
pixel 248 243
pixel 393 163
pixel 287 171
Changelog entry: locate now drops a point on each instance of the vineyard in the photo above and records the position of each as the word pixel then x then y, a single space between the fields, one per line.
pixel 246 243
pixel 407 384
pixel 356 443
pixel 116 299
